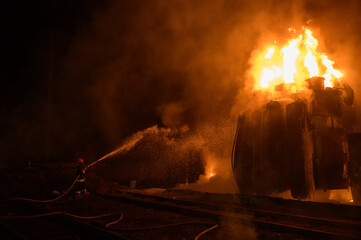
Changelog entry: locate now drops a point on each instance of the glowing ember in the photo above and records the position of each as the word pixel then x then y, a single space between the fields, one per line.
pixel 341 195
pixel 292 64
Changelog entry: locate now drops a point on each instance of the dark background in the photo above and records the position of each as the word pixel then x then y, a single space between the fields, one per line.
pixel 77 77
pixel 36 37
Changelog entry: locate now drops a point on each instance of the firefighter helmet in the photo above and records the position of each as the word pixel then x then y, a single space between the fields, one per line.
pixel 80 160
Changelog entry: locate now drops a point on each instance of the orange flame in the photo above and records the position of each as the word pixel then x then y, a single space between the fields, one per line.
pixel 292 64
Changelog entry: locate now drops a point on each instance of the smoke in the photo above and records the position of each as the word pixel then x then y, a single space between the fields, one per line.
pixel 335 25
pixel 218 139
pixel 237 229
pixel 154 159
pixel 144 61
pixel 181 64
pixel 184 64
pixel 338 27
pixel 217 178
pixel 173 115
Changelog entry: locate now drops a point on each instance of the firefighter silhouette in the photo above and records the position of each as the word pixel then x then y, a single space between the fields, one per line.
pixel 80 187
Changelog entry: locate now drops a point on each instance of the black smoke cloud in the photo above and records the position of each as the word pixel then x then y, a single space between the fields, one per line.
pixel 122 68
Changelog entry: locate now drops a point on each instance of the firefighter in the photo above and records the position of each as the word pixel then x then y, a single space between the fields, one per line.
pixel 80 188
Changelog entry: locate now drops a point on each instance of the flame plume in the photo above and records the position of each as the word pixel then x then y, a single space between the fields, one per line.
pixel 292 64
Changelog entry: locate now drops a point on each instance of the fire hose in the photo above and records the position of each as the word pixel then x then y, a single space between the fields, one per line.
pixel 171 225
pixel 98 216
pixel 60 196
pixel 68 214
pixel 44 201
pixel 115 222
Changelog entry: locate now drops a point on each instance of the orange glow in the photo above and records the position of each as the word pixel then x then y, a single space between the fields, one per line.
pixel 290 53
pixel 293 63
pixel 341 195
pixel 270 53
pixel 330 71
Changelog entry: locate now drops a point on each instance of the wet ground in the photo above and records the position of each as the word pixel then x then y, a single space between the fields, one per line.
pixel 138 222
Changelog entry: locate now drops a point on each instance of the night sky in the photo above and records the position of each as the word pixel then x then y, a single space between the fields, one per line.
pixel 36 38
pixel 79 76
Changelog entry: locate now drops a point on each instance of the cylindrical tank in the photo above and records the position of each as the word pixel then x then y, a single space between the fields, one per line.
pixel 298 143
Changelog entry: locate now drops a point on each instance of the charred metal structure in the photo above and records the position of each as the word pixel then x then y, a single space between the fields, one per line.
pixel 301 143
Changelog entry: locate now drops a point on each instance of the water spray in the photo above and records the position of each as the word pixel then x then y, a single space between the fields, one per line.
pixel 124 148
pixel 129 144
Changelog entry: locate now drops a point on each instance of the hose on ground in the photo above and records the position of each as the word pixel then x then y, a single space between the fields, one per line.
pixel 44 201
pixel 205 231
pixel 68 190
pixel 170 225
pixel 160 226
pixel 114 222
pixel 70 215
pixel 124 147
pixel 62 213
pixel 98 216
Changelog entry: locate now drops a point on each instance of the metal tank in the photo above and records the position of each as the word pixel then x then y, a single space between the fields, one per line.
pixel 301 143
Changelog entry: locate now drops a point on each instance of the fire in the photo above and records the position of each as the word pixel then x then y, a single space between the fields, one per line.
pixel 211 174
pixel 270 53
pixel 293 63
pixel 290 54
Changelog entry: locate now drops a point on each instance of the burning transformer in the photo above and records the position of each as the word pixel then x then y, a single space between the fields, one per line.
pixel 301 139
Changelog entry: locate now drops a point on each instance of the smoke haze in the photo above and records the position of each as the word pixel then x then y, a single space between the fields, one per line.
pixel 134 64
